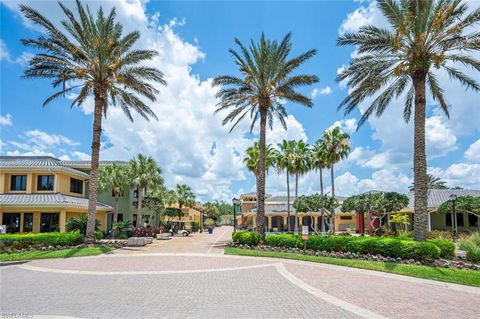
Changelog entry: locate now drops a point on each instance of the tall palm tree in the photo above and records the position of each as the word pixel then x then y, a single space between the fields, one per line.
pixel 337 146
pixel 423 36
pixel 300 159
pixel 266 83
pixel 144 172
pixel 284 164
pixel 93 58
pixel 185 196
pixel 115 178
pixel 318 159
pixel 252 159
pixel 432 183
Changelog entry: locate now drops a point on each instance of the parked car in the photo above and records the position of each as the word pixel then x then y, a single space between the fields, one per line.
pixel 181 232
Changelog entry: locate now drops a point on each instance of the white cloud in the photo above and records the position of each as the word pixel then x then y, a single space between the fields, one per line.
pixel 466 175
pixel 349 125
pixel 323 91
pixel 473 152
pixel 440 139
pixel 387 180
pixel 35 152
pixel 4 54
pixel 364 15
pixel 44 140
pixel 6 120
pixel 81 156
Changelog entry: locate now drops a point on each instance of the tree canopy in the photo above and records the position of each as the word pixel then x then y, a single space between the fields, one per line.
pixel 463 204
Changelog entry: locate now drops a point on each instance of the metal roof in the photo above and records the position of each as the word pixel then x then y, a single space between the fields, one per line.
pixel 87 164
pixel 436 197
pixel 37 162
pixel 270 209
pixel 56 199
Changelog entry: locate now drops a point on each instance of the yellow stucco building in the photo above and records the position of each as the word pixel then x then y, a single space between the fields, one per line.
pixel 277 216
pixel 39 194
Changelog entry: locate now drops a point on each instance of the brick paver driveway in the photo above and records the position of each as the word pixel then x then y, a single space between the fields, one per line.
pixel 190 278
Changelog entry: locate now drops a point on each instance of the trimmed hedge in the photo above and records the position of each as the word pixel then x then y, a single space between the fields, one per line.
pixel 246 238
pixel 389 247
pixel 447 247
pixel 42 239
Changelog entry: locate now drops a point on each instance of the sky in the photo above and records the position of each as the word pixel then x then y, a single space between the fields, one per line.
pixel 189 142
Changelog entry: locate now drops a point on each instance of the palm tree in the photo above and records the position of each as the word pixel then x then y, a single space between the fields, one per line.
pixel 432 183
pixel 318 159
pixel 266 84
pixel 423 36
pixel 115 178
pixel 284 164
pixel 93 58
pixel 252 159
pixel 337 146
pixel 185 196
pixel 300 161
pixel 144 172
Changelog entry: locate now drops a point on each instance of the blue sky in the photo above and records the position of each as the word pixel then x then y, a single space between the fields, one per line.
pixel 193 39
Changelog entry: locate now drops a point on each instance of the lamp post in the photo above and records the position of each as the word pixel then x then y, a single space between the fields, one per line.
pixel 453 198
pixel 235 202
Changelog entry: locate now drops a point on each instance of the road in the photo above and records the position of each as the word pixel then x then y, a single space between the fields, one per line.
pixel 191 278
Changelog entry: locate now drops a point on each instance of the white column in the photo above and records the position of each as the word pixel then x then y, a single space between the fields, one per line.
pixel 429 221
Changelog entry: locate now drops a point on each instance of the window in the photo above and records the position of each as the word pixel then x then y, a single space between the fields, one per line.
pixel 345 217
pixel 460 220
pixel 18 183
pixel 45 182
pixel 12 221
pixel 49 222
pixel 448 219
pixel 76 186
pixel 27 222
pixel 472 220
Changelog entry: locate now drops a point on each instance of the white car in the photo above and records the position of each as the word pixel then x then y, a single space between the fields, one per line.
pixel 182 232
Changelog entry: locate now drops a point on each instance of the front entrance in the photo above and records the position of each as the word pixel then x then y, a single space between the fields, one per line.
pixel 277 223
pixel 49 222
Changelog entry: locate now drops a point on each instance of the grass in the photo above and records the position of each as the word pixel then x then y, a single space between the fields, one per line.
pixel 466 277
pixel 61 253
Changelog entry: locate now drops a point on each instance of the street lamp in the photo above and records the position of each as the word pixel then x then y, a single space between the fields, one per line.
pixel 453 198
pixel 235 202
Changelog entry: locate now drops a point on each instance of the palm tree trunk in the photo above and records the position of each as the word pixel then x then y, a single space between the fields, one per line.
pixel 420 160
pixel 321 181
pixel 295 229
pixel 332 223
pixel 288 201
pixel 139 205
pixel 261 176
pixel 100 96
pixel 115 209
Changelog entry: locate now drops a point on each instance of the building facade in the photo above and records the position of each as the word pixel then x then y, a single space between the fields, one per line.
pixel 39 194
pixel 277 216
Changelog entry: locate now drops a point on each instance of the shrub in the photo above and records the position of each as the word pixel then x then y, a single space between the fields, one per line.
pixel 42 239
pixel 194 226
pixel 146 231
pixel 80 224
pixel 246 238
pixel 472 246
pixel 385 246
pixel 447 247
pixel 284 240
pixel 439 234
pixel 99 234
pixel 122 228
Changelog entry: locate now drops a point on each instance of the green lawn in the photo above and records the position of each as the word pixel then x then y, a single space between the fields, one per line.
pixel 459 276
pixel 61 253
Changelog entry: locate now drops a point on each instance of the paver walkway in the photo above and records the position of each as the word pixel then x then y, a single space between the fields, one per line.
pixel 191 278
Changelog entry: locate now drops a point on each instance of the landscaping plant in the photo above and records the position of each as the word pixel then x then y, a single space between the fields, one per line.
pixel 472 246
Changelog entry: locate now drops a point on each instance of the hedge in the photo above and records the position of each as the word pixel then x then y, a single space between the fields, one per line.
pixel 447 247
pixel 246 238
pixel 41 239
pixel 389 247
